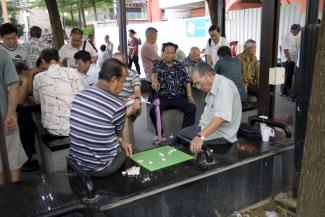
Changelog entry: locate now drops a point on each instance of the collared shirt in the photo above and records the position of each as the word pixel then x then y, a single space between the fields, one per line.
pixel 54 89
pixel 292 43
pixel 223 101
pixel 90 78
pixel 97 117
pixel 67 51
pixel 133 44
pixel 34 48
pixel 148 56
pixel 231 69
pixel 250 68
pixel 18 54
pixel 172 80
pixel 212 49
pixel 8 77
pixel 131 81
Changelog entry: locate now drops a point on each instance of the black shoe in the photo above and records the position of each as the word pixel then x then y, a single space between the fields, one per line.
pixel 30 165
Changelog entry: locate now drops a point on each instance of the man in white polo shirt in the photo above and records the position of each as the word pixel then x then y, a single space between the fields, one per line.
pixel 76 44
pixel 221 118
pixel 213 44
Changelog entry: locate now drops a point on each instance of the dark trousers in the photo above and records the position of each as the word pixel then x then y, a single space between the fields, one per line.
pixel 289 69
pixel 27 131
pixel 136 63
pixel 111 168
pixel 252 90
pixel 180 103
pixel 219 145
pixel 292 92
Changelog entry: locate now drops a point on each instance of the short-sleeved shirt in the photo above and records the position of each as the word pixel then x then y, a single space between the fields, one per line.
pixel 212 49
pixel 34 48
pixel 292 43
pixel 134 43
pixel 67 51
pixel 230 68
pixel 131 81
pixel 97 117
pixel 54 89
pixel 90 78
pixel 109 48
pixel 148 56
pixel 18 54
pixel 223 101
pixel 8 77
pixel 172 80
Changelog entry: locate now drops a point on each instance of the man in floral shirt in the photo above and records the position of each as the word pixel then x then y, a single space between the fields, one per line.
pixel 172 86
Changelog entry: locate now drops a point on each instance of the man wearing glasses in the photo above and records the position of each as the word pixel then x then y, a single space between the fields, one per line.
pixel 221 118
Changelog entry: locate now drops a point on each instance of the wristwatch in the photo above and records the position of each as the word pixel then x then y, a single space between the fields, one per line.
pixel 201 137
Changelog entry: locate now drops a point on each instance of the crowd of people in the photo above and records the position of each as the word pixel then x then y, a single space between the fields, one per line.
pixel 84 93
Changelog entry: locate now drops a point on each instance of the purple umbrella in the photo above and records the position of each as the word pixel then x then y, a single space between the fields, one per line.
pixel 158 118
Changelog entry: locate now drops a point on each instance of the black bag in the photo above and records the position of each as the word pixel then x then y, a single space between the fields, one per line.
pixel 248 132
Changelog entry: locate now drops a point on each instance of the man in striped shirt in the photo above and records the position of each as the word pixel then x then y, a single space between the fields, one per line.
pixel 96 123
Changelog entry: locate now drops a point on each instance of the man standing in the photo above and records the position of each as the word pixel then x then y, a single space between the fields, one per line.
pixel 8 33
pixel 88 72
pixel 97 120
pixel 54 89
pixel 289 55
pixel 221 118
pixel 148 52
pixel 229 67
pixel 215 41
pixel 76 44
pixel 109 46
pixel 34 47
pixel 173 87
pixel 250 68
pixel 9 91
pixel 193 59
pixel 133 47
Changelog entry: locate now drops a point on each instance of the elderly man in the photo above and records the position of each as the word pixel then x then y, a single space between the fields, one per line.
pixel 88 72
pixel 97 120
pixel 148 52
pixel 215 41
pixel 54 89
pixel 9 92
pixel 229 67
pixel 76 44
pixel 289 54
pixel 109 46
pixel 250 68
pixel 173 87
pixel 221 118
pixel 193 59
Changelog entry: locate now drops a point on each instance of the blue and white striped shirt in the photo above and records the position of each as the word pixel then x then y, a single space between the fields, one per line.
pixel 97 117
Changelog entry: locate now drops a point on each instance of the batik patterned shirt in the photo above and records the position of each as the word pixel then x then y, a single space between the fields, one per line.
pixel 250 69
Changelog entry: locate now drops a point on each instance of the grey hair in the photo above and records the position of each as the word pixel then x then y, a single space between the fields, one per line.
pixel 150 31
pixel 248 43
pixel 203 69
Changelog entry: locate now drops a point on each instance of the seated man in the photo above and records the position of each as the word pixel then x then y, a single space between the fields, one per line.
pixel 88 71
pixel 193 59
pixel 131 91
pixel 172 86
pixel 250 68
pixel 96 123
pixel 221 118
pixel 230 68
pixel 54 89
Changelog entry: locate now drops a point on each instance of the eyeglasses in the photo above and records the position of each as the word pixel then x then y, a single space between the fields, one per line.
pixel 197 83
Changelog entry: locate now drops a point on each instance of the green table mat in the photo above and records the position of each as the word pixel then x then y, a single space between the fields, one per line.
pixel 161 157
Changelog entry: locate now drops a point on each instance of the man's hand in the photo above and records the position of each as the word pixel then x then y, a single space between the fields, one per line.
pixel 10 123
pixel 137 107
pixel 127 147
pixel 191 100
pixel 196 145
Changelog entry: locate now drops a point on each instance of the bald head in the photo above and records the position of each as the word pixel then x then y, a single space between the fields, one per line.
pixel 120 57
pixel 195 55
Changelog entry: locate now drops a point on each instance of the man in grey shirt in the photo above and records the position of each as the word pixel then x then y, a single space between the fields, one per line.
pixel 8 33
pixel 221 118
